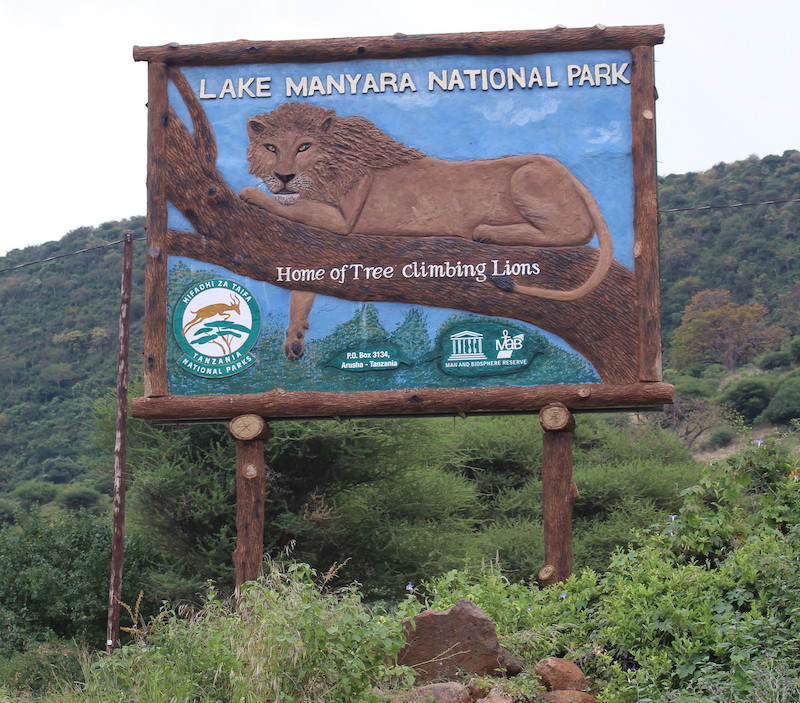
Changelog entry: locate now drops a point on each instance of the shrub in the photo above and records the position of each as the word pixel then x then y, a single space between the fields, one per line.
pixel 785 404
pixel 794 350
pixel 8 511
pixel 693 387
pixel 77 497
pixel 44 666
pixel 55 576
pixel 35 492
pixel 773 360
pixel 749 395
pixel 288 641
pixel 691 613
pixel 722 437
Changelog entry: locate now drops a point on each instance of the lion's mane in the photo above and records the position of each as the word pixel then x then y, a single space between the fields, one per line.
pixel 348 147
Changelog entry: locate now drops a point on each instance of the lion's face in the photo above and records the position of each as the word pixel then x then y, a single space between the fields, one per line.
pixel 301 150
pixel 284 147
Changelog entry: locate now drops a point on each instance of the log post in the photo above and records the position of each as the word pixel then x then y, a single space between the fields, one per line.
pixel 559 493
pixel 120 447
pixel 250 431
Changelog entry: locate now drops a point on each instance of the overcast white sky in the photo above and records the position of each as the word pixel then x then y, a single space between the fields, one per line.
pixel 73 115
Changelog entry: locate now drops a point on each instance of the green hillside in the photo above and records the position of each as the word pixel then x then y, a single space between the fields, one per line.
pixel 60 317
pixel 752 251
pixel 58 352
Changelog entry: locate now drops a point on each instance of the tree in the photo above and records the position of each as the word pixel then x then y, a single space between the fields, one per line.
pixel 715 330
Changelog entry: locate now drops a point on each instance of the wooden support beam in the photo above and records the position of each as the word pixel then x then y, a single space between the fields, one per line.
pixel 250 431
pixel 559 493
pixel 120 447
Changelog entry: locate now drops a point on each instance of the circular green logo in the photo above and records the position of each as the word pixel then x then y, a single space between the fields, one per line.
pixel 216 324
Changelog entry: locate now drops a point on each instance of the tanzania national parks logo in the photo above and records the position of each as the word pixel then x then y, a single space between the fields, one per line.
pixel 216 324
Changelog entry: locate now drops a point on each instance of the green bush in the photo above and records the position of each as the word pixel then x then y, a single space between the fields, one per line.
pixel 774 360
pixel 785 404
pixel 47 666
pixel 78 496
pixel 749 395
pixel 400 499
pixel 55 576
pixel 794 350
pixel 692 387
pixel 288 641
pixel 722 437
pixel 35 492
pixel 8 511
pixel 692 614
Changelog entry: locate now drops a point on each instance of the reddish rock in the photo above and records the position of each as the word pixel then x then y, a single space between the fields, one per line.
pixel 560 675
pixel 449 692
pixel 497 696
pixel 462 639
pixel 568 697
pixel 478 690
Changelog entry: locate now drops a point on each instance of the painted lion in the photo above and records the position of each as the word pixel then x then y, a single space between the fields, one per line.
pixel 347 176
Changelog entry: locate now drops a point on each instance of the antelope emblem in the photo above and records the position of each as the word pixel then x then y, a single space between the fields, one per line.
pixel 204 313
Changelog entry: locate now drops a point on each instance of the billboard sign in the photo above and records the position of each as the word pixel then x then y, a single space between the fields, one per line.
pixel 464 220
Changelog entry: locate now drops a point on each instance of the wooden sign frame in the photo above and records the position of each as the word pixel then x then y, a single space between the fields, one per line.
pixel 616 325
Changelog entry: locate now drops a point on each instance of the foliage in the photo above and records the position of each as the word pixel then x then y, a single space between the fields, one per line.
pixel 714 329
pixel 43 667
pixel 79 497
pixel 774 360
pixel 751 251
pixel 65 314
pixel 696 612
pixel 785 404
pixel 8 511
pixel 794 348
pixel 749 395
pixel 182 500
pixel 290 640
pixel 54 576
pixel 399 499
pixel 691 614
pixel 34 492
pixel 722 437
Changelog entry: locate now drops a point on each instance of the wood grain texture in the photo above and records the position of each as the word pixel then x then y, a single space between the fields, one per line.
pixel 401 45
pixel 250 493
pixel 437 401
pixel 155 368
pixel 558 493
pixel 250 427
pixel 646 263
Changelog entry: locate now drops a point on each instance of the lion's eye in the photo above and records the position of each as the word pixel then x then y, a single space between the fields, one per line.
pixel 303 147
pixel 271 147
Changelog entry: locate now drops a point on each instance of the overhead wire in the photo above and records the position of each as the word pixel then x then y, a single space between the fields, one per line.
pixel 699 208
pixel 65 256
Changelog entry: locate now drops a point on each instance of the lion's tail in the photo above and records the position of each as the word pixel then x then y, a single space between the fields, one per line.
pixel 606 256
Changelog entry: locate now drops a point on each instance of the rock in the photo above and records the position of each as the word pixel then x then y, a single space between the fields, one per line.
pixel 462 639
pixel 568 697
pixel 560 675
pixel 449 692
pixel 498 696
pixel 478 689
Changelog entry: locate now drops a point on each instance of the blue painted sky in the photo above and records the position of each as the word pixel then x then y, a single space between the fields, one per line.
pixel 586 127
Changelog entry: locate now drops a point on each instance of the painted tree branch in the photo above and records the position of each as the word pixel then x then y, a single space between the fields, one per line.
pixel 249 241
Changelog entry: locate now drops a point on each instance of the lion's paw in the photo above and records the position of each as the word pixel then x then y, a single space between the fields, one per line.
pixel 293 349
